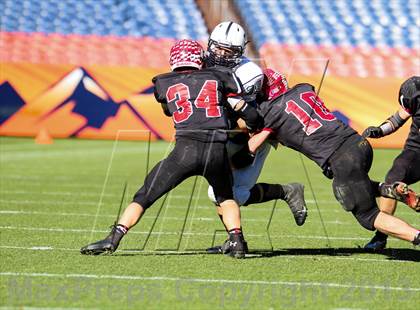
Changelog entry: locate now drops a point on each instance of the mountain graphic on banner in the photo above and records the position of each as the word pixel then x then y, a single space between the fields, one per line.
pixel 76 105
pixel 11 101
pixel 89 101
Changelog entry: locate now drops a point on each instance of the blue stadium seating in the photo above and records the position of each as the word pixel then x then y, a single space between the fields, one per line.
pixel 161 19
pixel 380 23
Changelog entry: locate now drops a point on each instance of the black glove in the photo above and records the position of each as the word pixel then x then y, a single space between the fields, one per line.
pixel 373 132
pixel 242 158
pixel 328 172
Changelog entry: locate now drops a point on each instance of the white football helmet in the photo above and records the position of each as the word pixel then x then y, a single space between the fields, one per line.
pixel 226 45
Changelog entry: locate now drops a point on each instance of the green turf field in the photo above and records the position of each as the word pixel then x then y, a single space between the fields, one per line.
pixel 56 198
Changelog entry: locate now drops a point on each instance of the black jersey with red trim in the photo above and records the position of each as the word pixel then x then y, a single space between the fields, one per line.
pixel 196 101
pixel 300 120
pixel 413 139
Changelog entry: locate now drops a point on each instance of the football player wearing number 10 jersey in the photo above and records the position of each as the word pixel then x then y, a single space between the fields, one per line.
pixel 297 118
pixel 194 98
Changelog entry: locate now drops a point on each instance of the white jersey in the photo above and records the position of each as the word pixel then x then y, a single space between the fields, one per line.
pixel 251 77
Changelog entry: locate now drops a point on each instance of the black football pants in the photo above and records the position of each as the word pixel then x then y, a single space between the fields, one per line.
pixel 405 168
pixel 188 158
pixel 351 185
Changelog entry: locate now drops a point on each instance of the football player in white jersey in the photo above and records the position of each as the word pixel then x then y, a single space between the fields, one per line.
pixel 226 46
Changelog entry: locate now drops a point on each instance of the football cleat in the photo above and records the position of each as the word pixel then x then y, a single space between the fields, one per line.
pixel 416 240
pixel 218 249
pixel 236 245
pixel 400 191
pixel 377 243
pixel 294 196
pixel 224 248
pixel 106 246
pixel 408 196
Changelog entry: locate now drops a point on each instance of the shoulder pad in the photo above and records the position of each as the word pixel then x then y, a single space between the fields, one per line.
pixel 162 76
pixel 251 77
pixel 304 85
pixel 248 70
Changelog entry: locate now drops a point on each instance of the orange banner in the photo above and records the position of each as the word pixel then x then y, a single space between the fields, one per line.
pixel 98 101
pixel 91 102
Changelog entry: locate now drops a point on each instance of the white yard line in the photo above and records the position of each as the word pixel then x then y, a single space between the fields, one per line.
pixel 55 193
pixel 78 202
pixel 22 212
pixel 74 193
pixel 78 230
pixel 88 185
pixel 13 155
pixel 402 210
pixel 50 177
pixel 42 308
pixel 46 202
pixel 174 218
pixel 203 280
pixel 245 210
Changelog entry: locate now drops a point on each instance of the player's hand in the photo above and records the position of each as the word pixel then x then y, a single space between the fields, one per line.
pixel 373 132
pixel 242 158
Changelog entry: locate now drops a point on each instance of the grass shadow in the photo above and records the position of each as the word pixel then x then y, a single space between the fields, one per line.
pixel 391 254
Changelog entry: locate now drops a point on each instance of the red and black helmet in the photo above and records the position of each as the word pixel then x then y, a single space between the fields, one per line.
pixel 186 53
pixel 275 84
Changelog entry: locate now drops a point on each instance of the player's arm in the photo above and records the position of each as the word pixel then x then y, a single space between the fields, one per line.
pixel 258 139
pixel 159 97
pixel 391 124
pixel 246 112
pixel 165 109
pixel 246 155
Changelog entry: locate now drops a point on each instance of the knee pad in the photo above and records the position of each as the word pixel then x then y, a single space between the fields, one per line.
pixel 354 194
pixel 344 194
pixel 367 218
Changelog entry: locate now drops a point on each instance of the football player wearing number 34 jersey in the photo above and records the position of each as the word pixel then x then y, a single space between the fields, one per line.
pixel 194 98
pixel 297 118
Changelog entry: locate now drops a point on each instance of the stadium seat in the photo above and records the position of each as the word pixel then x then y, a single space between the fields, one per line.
pixel 383 36
pixel 87 31
pixel 165 18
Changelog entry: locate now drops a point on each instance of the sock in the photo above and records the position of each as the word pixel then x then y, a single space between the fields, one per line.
pixel 416 240
pixel 381 236
pixel 122 228
pixel 262 192
pixel 235 231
